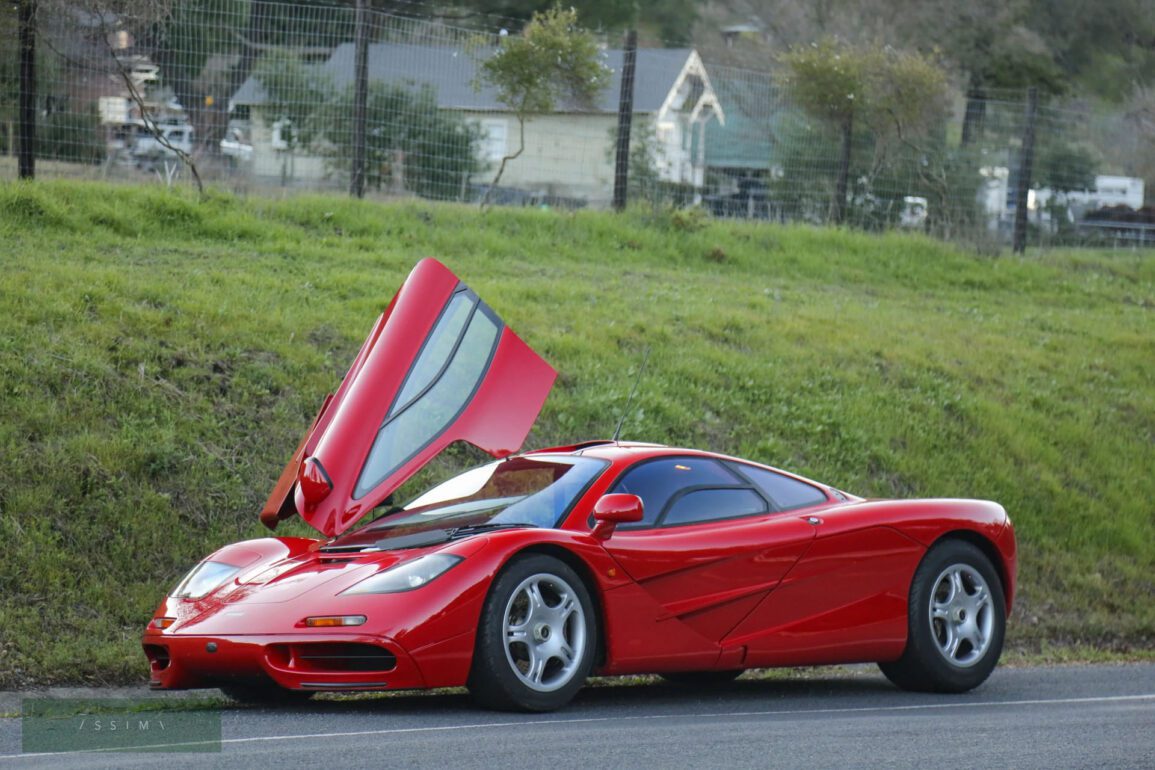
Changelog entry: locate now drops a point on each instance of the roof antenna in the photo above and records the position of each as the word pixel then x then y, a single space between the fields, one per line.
pixel 630 400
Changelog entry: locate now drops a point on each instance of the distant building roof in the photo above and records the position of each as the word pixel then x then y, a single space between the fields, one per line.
pixel 451 71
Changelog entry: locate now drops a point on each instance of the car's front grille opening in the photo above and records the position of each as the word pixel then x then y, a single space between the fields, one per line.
pixel 157 656
pixel 332 656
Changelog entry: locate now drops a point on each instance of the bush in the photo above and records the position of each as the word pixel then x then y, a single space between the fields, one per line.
pixel 74 137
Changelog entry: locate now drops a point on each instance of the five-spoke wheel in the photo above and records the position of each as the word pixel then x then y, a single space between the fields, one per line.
pixel 544 624
pixel 957 619
pixel 536 642
pixel 962 615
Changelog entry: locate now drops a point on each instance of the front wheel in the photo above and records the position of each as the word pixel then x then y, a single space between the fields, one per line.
pixel 957 621
pixel 537 637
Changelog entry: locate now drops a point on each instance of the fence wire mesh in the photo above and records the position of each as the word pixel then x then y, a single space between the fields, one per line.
pixel 260 97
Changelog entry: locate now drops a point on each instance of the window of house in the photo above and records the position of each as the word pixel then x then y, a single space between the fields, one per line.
pixel 494 140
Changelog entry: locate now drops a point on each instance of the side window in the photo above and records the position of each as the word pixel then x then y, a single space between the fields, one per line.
pixel 451 364
pixel 657 481
pixel 783 491
pixel 710 504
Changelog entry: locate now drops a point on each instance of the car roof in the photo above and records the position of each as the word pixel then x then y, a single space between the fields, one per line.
pixel 616 451
pixel 627 452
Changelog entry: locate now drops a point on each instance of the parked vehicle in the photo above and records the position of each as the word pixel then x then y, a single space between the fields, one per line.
pixel 522 577
pixel 176 137
pixel 235 145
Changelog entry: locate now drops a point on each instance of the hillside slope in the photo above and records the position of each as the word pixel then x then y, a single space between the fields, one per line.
pixel 160 358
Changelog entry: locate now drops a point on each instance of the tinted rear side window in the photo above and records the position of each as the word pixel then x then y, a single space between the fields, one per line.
pixel 783 491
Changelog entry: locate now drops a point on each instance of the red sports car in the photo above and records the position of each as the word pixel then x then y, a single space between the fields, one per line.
pixel 520 578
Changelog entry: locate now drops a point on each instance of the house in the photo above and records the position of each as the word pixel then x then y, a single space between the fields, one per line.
pixel 744 148
pixel 568 153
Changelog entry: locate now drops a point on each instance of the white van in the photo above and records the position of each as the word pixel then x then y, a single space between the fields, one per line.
pixel 179 136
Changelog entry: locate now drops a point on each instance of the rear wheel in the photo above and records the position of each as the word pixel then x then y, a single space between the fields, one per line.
pixel 702 679
pixel 537 637
pixel 957 621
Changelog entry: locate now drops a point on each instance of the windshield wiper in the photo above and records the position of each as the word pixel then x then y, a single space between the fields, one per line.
pixel 473 529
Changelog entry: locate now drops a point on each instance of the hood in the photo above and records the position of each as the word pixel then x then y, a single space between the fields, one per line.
pixel 438 366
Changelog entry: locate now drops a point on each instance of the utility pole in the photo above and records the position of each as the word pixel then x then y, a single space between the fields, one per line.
pixel 26 119
pixel 625 119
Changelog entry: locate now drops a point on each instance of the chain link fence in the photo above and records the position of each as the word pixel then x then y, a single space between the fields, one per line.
pixel 261 97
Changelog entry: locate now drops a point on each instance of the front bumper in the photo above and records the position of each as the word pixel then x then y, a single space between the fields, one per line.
pixel 294 661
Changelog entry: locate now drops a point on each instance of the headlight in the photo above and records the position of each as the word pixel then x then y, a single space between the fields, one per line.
pixel 407 576
pixel 205 577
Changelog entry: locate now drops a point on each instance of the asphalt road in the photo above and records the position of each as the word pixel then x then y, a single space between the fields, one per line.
pixel 1052 717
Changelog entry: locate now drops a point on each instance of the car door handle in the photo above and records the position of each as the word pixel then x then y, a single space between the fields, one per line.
pixel 813 520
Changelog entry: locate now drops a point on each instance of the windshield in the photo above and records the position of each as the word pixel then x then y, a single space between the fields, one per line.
pixel 524 491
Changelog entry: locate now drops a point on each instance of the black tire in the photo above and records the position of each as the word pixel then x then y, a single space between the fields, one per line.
pixel 265 694
pixel 702 679
pixel 534 655
pixel 955 646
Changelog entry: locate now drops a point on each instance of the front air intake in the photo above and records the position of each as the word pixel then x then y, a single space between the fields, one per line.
pixel 334 657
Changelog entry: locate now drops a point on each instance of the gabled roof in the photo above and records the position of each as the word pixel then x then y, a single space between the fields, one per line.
pixel 749 137
pixel 450 70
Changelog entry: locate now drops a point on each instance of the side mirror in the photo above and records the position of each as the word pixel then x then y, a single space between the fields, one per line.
pixel 612 510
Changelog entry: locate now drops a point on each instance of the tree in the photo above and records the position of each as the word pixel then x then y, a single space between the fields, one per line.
pixel 430 151
pixel 646 153
pixel 552 59
pixel 828 81
pixel 1107 47
pixel 896 98
pixel 670 21
pixel 1064 166
pixel 9 77
pixel 296 95
pixel 195 41
pixel 409 141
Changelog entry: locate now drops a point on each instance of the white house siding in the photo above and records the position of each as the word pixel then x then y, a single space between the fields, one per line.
pixel 565 155
pixel 571 155
pixel 272 165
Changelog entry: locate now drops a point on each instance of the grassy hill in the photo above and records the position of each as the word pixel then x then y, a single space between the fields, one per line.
pixel 160 357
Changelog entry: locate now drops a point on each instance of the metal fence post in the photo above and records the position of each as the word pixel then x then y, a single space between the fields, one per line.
pixel 1026 163
pixel 360 99
pixel 625 118
pixel 26 121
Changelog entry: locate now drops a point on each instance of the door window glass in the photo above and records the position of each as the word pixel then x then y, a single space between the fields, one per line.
pixel 712 504
pixel 657 481
pixel 432 407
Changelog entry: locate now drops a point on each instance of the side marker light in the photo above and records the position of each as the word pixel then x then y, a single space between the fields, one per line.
pixel 330 621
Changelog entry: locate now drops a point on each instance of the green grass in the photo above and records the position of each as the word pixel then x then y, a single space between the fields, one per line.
pixel 160 358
